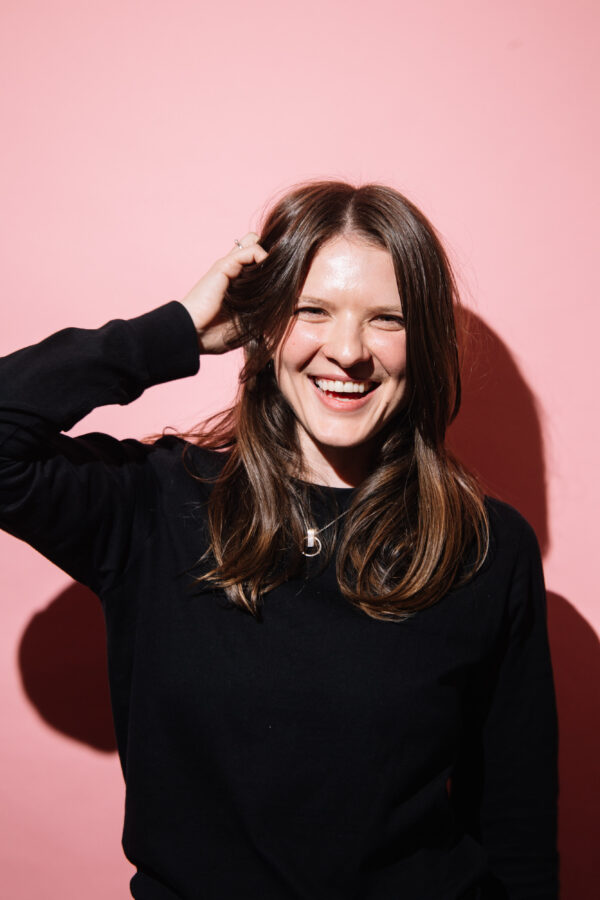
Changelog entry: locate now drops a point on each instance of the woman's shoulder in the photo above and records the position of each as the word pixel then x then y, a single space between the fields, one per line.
pixel 508 525
pixel 172 452
pixel 512 539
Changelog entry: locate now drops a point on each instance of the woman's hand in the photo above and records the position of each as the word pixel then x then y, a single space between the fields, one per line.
pixel 216 333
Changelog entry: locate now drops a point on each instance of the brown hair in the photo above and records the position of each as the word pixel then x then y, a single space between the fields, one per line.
pixel 419 516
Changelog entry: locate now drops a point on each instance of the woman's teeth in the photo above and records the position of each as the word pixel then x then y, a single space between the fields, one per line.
pixel 344 387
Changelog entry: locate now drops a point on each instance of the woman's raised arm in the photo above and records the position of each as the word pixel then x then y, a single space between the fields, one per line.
pixel 85 502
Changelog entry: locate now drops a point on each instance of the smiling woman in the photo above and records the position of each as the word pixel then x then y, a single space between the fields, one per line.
pixel 328 655
pixel 355 288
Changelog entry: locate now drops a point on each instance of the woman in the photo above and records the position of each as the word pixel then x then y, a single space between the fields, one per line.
pixel 328 655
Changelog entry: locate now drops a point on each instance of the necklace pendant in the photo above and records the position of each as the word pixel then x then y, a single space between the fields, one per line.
pixel 312 544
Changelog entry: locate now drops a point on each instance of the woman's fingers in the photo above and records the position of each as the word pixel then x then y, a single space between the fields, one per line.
pixel 204 301
pixel 238 257
pixel 250 238
pixel 249 241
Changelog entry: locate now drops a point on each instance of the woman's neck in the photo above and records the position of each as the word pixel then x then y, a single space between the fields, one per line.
pixel 339 467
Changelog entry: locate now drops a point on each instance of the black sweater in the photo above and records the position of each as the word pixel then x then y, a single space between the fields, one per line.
pixel 317 753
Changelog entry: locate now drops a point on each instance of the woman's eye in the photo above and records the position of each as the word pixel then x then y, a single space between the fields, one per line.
pixel 390 321
pixel 309 311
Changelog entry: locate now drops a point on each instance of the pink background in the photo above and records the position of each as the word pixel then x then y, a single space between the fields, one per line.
pixel 140 138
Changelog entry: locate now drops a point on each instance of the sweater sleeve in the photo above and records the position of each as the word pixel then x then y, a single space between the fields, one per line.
pixel 85 502
pixel 520 743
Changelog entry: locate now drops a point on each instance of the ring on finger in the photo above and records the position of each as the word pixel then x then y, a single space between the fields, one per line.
pixel 238 244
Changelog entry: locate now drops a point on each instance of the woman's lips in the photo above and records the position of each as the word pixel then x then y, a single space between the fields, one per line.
pixel 353 394
pixel 343 386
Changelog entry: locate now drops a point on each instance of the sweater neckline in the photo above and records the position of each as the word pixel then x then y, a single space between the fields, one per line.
pixel 326 488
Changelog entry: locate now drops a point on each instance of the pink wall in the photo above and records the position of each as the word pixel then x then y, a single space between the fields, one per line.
pixel 140 138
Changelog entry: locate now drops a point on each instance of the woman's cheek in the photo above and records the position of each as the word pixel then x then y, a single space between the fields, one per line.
pixel 302 343
pixel 390 350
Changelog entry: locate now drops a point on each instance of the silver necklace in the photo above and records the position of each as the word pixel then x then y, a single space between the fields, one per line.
pixel 312 542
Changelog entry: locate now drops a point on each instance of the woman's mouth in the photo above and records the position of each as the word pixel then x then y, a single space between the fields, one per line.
pixel 346 394
pixel 344 389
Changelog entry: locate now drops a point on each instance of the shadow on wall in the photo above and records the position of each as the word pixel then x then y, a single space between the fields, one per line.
pixel 576 661
pixel 498 434
pixel 62 658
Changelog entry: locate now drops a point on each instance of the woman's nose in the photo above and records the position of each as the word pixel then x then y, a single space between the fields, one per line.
pixel 345 344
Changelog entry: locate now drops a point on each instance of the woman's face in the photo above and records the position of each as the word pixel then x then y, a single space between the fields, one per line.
pixel 341 364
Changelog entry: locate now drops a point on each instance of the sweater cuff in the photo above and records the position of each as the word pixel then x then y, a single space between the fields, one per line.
pixel 169 341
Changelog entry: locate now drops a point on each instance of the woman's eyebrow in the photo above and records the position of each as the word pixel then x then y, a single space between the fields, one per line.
pixel 395 308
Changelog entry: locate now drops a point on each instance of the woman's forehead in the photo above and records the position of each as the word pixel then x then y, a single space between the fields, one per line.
pixel 348 265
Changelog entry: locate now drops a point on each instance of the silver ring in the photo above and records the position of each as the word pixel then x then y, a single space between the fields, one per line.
pixel 240 246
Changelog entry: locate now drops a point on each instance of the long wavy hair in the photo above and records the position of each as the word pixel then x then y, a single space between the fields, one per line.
pixel 417 526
